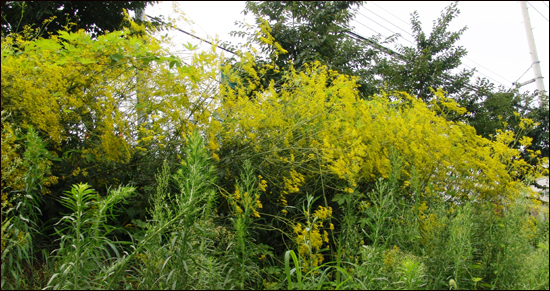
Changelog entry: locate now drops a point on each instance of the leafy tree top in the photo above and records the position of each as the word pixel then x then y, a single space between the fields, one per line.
pixel 96 17
pixel 430 61
pixel 312 31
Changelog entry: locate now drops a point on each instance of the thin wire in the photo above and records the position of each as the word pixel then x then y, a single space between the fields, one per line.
pixel 370 28
pixel 390 22
pixel 390 13
pixel 537 11
pixel 524 74
pixel 378 46
pixel 544 3
pixel 413 43
pixel 376 22
pixel 354 34
pixel 199 27
pixel 487 69
pixel 484 75
pixel 181 30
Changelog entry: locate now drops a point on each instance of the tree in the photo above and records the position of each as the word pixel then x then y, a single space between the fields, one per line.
pixel 97 17
pixel 491 109
pixel 541 133
pixel 430 63
pixel 309 30
pixel 320 31
pixel 312 31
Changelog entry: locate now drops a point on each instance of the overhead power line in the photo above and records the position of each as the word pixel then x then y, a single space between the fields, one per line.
pixel 181 30
pixel 386 27
pixel 376 45
pixel 370 29
pixel 351 33
pixel 388 22
pixel 390 13
pixel 487 69
pixel 492 72
pixel 377 23
pixel 537 10
pixel 484 75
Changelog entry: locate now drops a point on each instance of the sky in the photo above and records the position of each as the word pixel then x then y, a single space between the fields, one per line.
pixel 495 38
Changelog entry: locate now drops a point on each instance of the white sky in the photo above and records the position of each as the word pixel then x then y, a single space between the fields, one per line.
pixel 496 40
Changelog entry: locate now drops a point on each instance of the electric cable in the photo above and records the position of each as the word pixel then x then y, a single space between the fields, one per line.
pixel 374 44
pixel 484 75
pixel 370 28
pixel 390 13
pixel 523 74
pixel 537 10
pixel 487 69
pixel 376 23
pixel 413 44
pixel 181 30
pixel 389 22
pixel 357 36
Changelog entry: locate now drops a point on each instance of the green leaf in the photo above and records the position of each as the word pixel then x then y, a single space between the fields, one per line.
pixel 131 212
pixel 65 35
pixel 85 61
pixel 61 62
pixel 117 57
pixel 172 63
pixel 47 44
pixel 340 199
pixel 190 46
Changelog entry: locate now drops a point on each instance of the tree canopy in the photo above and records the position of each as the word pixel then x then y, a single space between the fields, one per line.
pixel 431 61
pixel 96 17
pixel 313 31
pixel 321 31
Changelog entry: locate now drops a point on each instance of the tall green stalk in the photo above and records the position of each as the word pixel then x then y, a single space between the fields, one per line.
pixel 20 223
pixel 165 251
pixel 84 247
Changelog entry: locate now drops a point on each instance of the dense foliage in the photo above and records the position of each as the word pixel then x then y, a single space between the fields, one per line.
pixel 321 31
pixel 96 17
pixel 126 168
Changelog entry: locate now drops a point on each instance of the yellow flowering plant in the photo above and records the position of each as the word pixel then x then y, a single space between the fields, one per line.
pixel 314 125
pixel 311 235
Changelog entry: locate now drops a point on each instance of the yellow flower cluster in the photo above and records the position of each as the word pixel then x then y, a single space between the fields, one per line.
pixel 529 226
pixel 323 213
pixel 310 241
pixel 247 202
pixel 263 183
pixel 13 171
pixel 5 202
pixel 21 238
pixel 293 183
pixel 142 257
pixel 311 237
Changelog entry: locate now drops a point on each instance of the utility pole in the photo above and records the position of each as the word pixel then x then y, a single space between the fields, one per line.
pixel 532 49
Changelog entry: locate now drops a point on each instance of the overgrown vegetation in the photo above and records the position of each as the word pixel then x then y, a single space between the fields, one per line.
pixel 126 168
